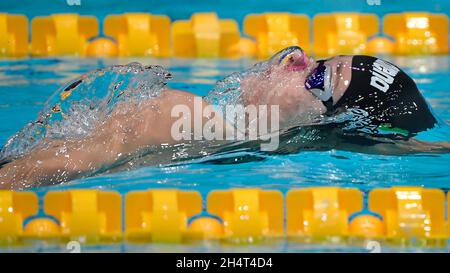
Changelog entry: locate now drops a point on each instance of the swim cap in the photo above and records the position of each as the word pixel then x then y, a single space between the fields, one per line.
pixel 388 95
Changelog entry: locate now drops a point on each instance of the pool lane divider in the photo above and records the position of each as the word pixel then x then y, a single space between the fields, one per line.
pixel 139 34
pixel 397 215
pixel 62 34
pixel 13 35
pixel 205 35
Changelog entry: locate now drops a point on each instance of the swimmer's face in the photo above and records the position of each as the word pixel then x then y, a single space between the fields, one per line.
pixel 283 84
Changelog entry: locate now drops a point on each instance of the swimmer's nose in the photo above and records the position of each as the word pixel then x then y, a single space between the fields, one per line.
pixel 293 58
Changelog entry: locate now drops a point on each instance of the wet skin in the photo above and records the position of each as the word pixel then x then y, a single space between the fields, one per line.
pixel 134 128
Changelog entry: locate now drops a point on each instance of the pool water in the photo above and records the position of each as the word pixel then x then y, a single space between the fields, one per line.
pixel 26 84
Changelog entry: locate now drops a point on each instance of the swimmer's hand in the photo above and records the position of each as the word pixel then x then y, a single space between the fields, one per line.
pixel 419 146
pixel 62 161
pixel 400 147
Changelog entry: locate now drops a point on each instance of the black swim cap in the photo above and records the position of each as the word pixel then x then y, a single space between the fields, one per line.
pixel 389 96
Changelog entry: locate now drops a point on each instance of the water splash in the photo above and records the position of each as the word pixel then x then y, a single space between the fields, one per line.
pixel 75 109
pixel 228 90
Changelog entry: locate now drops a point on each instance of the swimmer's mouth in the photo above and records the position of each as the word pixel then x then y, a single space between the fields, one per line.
pixel 319 83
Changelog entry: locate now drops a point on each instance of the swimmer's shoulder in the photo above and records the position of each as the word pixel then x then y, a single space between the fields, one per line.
pixel 169 99
pixel 172 97
pixel 178 94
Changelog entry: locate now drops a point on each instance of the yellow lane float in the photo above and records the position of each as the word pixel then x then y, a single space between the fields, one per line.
pixel 343 33
pixel 406 216
pixel 15 207
pixel 321 212
pixel 381 46
pixel 102 47
pixel 89 215
pixel 410 212
pixel 248 214
pixel 275 31
pixel 367 226
pixel 204 35
pixel 62 34
pixel 13 35
pixel 417 33
pixel 160 215
pixel 139 34
pixel 206 228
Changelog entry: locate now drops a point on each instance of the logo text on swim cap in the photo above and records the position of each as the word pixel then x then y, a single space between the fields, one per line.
pixel 383 75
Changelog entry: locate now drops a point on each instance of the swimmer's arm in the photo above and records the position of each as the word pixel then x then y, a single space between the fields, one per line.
pixel 65 160
pixel 62 161
pixel 399 147
pixel 414 146
pixel 119 136
pixel 127 131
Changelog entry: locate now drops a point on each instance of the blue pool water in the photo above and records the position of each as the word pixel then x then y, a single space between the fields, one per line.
pixel 25 85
